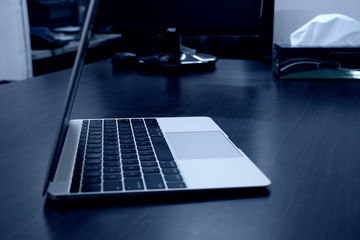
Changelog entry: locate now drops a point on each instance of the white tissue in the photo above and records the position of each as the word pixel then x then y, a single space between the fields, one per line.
pixel 328 30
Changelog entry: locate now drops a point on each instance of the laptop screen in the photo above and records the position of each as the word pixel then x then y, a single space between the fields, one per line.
pixel 71 91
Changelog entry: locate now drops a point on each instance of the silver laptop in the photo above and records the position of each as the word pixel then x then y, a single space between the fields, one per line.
pixel 127 156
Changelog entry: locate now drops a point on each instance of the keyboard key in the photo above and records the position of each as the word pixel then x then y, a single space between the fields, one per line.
pixel 93 161
pixel 78 166
pixel 113 186
pixel 88 151
pixel 134 184
pixel 127 146
pixel 111 147
pixel 111 152
pixel 155 134
pixel 126 136
pixel 92 132
pixel 154 181
pixel 111 138
pixel 96 139
pixel 147 158
pixel 94 122
pixel 137 122
pixel 150 170
pixel 109 122
pixel 110 130
pixel 124 124
pixel 128 156
pixel 173 177
pixel 123 121
pixel 161 149
pixel 168 164
pixel 153 128
pixel 132 174
pixel 170 171
pixel 80 154
pixel 110 126
pixel 144 148
pixel 75 187
pixel 91 180
pixel 145 143
pixel 111 143
pixel 110 135
pixel 128 151
pixel 92 174
pixel 93 156
pixel 111 158
pixel 142 139
pixel 131 167
pixel 130 162
pixel 96 146
pixel 146 153
pixel 125 130
pixel 94 126
pixel 139 130
pixel 112 176
pixel 112 170
pixel 111 164
pixel 175 184
pixel 91 188
pixel 92 167
pixel 141 134
pixel 78 171
pixel 150 121
pixel 146 164
pixel 76 177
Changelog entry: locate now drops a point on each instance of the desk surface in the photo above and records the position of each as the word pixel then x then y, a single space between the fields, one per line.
pixel 302 134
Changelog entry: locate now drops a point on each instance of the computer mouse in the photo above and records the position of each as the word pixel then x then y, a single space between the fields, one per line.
pixel 124 59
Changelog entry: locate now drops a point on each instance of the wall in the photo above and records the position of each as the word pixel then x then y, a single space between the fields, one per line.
pixel 15 50
pixel 292 14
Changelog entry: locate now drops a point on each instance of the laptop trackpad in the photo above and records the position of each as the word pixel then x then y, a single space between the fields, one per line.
pixel 201 145
pixel 209 160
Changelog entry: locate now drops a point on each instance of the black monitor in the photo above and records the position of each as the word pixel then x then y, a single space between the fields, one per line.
pixel 176 18
pixel 53 13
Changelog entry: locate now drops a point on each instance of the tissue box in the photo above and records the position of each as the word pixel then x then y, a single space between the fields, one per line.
pixel 316 62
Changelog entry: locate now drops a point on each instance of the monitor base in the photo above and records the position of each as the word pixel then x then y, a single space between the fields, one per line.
pixel 178 57
pixel 164 60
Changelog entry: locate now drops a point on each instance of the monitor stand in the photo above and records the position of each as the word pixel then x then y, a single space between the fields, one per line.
pixel 176 56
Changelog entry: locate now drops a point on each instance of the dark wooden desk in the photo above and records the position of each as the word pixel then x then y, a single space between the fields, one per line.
pixel 304 135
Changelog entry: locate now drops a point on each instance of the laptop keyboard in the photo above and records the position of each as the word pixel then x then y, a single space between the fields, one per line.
pixel 123 155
